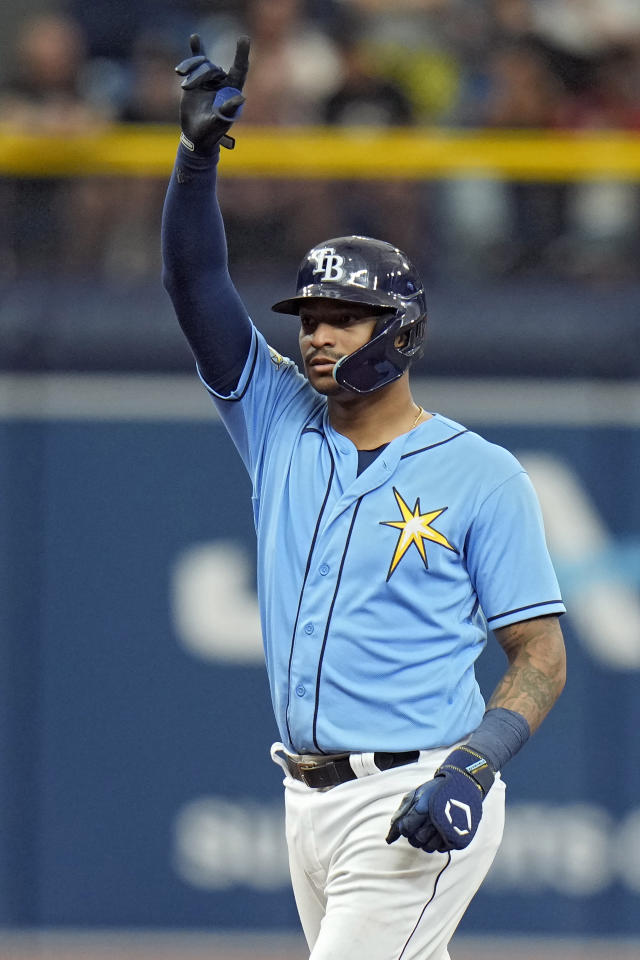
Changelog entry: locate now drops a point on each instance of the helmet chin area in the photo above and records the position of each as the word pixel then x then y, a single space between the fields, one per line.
pixel 380 361
pixel 366 370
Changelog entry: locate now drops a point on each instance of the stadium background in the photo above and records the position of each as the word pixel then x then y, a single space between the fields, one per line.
pixel 497 141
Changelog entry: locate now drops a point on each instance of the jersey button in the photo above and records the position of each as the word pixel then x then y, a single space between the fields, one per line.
pixel 324 569
pixel 309 628
pixel 300 690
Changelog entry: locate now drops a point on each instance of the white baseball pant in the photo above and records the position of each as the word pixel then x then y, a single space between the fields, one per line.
pixel 358 896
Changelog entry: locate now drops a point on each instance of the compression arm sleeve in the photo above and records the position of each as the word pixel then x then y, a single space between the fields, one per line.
pixel 195 273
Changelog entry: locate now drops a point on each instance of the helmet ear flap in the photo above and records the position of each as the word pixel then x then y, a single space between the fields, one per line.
pixel 382 360
pixel 415 337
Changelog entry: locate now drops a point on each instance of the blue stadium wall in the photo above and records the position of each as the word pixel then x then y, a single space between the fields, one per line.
pixel 135 784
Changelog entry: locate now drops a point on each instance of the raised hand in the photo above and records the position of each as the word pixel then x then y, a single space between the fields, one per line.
pixel 211 97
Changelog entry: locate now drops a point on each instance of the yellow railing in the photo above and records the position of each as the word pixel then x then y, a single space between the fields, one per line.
pixel 325 153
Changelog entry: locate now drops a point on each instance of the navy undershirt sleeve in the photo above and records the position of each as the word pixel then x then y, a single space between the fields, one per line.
pixel 196 276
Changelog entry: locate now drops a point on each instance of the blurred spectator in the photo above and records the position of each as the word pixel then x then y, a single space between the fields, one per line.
pixel 294 64
pixel 511 18
pixel 586 27
pixel 364 97
pixel 525 92
pixel 112 26
pixel 415 45
pixel 533 64
pixel 131 249
pixel 380 208
pixel 603 236
pixel 613 101
pixel 294 67
pixel 44 96
pixel 506 226
pixel 153 94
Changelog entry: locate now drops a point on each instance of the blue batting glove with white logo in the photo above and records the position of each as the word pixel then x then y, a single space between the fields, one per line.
pixel 444 813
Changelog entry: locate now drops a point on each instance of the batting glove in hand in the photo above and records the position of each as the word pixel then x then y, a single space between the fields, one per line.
pixel 211 98
pixel 444 813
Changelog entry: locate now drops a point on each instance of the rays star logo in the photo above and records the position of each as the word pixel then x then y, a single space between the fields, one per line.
pixel 415 527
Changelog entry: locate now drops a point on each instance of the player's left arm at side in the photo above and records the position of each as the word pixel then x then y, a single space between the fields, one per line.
pixel 531 685
pixel 537 668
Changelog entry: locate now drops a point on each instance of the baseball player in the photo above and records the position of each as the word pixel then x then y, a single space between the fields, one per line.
pixel 390 541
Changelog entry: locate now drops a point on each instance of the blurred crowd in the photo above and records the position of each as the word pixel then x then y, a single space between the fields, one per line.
pixel 550 64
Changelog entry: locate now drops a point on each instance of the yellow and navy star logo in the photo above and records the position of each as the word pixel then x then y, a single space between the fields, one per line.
pixel 277 358
pixel 415 527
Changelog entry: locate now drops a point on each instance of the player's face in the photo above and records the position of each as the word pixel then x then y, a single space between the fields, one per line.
pixel 330 330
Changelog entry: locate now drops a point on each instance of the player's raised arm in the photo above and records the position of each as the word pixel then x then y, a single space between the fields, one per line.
pixel 194 249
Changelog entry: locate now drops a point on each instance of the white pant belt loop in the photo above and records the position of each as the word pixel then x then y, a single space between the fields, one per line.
pixel 363 764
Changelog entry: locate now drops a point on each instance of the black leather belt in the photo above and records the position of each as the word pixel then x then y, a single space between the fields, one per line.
pixel 329 771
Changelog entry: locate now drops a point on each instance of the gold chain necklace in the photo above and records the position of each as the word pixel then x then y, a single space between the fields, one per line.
pixel 415 422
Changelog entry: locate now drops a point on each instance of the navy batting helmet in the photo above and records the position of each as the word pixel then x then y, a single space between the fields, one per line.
pixel 363 270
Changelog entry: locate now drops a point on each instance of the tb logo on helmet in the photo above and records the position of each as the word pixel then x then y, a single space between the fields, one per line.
pixel 329 264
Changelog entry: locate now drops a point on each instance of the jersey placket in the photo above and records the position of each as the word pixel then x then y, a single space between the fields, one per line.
pixel 321 591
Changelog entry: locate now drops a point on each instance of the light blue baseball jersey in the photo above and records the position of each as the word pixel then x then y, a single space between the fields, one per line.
pixel 376 591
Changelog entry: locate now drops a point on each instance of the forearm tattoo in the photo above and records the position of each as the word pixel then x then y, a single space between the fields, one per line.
pixel 536 674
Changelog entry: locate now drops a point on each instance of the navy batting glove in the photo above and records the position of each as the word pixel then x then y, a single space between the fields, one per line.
pixel 211 98
pixel 444 813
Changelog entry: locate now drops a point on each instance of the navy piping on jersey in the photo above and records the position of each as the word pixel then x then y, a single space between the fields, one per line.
pixel 507 613
pixel 246 386
pixel 304 580
pixel 430 446
pixel 430 900
pixel 326 629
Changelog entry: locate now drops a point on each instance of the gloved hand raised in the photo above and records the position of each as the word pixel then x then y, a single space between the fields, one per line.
pixel 444 813
pixel 211 98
